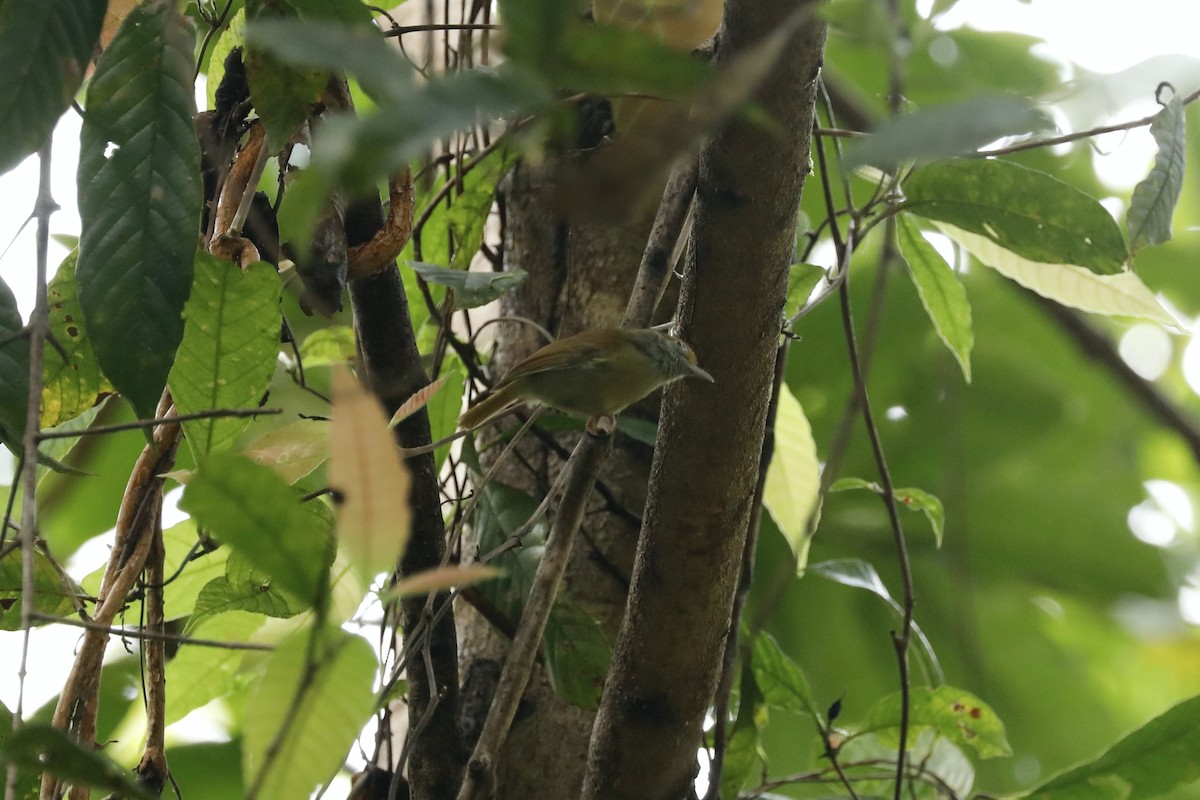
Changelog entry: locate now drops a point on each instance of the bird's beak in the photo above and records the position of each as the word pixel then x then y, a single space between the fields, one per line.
pixel 699 373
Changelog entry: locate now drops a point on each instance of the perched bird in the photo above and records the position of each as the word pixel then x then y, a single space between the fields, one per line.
pixel 594 373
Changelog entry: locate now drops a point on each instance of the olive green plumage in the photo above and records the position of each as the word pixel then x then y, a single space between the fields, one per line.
pixel 596 372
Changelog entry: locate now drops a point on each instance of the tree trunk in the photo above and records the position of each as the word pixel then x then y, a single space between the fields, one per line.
pixel 667 658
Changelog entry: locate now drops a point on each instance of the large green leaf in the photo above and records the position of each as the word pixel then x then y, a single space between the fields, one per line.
pixel 140 197
pixel 944 131
pixel 45 46
pixel 943 296
pixel 73 386
pixel 284 94
pixel 1120 294
pixel 1150 761
pixel 54 591
pixel 1154 198
pixel 198 674
pixel 243 588
pixel 780 680
pixel 1027 212
pixel 14 371
pixel 38 748
pixel 227 356
pixel 305 712
pixel 792 489
pixel 956 714
pixel 250 508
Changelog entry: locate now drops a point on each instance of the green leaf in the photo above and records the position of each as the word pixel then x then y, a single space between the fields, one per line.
pixel 929 505
pixel 250 508
pixel 1148 762
pixel 14 371
pixel 858 574
pixel 471 289
pixel 779 678
pixel 75 385
pixel 944 298
pixel 355 152
pixel 577 654
pixel 301 205
pixel 956 714
pixel 333 345
pixel 945 131
pixel 380 69
pixel 1026 212
pixel 284 92
pixel 199 674
pixel 467 216
pixel 52 590
pixel 444 408
pixel 324 692
pixel 802 279
pixel 1123 294
pixel 611 60
pixel 792 489
pixel 229 347
pixel 45 46
pixel 910 498
pixel 1154 198
pixel 294 450
pixel 140 198
pixel 745 758
pixel 41 748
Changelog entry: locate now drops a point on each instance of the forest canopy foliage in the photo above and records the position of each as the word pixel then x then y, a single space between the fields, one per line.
pixel 971 555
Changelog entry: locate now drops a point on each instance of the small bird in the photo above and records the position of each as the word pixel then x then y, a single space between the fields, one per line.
pixel 595 373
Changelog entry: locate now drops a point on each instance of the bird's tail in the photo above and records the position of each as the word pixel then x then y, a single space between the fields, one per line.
pixel 487 409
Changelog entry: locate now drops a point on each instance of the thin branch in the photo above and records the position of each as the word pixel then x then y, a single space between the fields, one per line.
pixel 154 423
pixel 27 535
pixel 1078 135
pixel 481 769
pixel 900 640
pixel 1100 348
pixel 403 30
pixel 655 269
pixel 129 633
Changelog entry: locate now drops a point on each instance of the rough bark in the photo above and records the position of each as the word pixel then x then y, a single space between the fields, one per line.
pixel 666 660
pixel 579 277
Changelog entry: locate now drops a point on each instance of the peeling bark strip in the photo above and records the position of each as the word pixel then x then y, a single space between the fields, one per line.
pixel 667 659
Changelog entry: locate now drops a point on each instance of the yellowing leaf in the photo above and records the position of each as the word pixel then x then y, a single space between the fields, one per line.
pixel 371 484
pixel 1122 294
pixel 292 451
pixel 435 580
pixel 794 477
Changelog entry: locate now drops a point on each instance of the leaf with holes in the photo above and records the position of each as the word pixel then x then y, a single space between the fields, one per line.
pixel 230 342
pixel 1028 213
pixel 45 46
pixel 956 714
pixel 73 386
pixel 140 197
